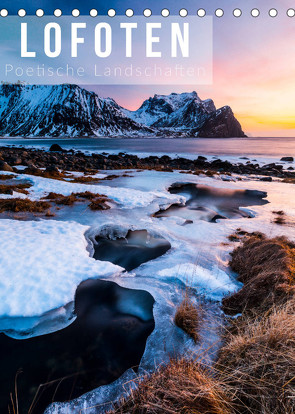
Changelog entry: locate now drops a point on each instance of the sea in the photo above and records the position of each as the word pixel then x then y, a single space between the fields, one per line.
pixel 271 149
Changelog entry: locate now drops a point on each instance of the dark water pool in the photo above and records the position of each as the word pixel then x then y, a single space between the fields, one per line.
pixel 106 339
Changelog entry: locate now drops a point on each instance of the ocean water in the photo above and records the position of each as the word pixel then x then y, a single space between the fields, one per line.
pixel 269 148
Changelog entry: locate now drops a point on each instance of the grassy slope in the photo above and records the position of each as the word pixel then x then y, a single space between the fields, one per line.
pixel 255 370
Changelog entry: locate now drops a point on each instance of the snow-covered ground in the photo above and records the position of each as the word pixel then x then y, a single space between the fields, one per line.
pixel 43 261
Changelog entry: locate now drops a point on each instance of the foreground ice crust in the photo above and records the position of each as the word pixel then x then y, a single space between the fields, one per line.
pixel 198 258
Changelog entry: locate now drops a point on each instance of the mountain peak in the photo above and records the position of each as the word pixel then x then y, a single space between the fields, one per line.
pixel 62 110
pixel 69 110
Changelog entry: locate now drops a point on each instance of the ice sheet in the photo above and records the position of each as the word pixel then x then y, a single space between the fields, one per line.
pixel 42 262
pixel 49 258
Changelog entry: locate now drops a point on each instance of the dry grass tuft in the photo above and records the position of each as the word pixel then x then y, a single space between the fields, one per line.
pixel 280 217
pixel 88 195
pixel 188 317
pixel 279 212
pixel 85 180
pixel 53 196
pixel 234 237
pixel 258 362
pixel 66 200
pixel 280 220
pixel 61 199
pixel 10 188
pixel 17 205
pixel 289 180
pixel 255 370
pixel 7 176
pixel 182 386
pixel 266 267
pixel 98 201
pixel 210 173
pixel 50 172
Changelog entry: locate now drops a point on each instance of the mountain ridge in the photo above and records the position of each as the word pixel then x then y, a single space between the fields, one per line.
pixel 71 111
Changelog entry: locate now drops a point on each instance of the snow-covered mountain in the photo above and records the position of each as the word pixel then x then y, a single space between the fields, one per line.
pixel 186 113
pixel 174 110
pixel 68 110
pixel 61 110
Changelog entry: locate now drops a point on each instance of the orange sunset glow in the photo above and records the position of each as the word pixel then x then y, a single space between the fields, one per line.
pixel 253 73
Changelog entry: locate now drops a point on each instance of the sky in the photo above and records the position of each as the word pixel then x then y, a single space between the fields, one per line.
pixel 253 59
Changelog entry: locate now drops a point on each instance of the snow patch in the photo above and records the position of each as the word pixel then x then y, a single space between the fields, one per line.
pixel 42 262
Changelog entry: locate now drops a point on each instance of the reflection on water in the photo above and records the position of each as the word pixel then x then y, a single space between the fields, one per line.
pixel 108 337
pixel 210 204
pixel 131 251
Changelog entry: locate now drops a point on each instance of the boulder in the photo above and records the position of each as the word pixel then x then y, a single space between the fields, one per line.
pixel 56 147
pixel 287 159
pixel 5 167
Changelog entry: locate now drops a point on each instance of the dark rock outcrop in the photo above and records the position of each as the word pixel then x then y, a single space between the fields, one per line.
pixel 56 148
pixel 287 159
pixel 221 124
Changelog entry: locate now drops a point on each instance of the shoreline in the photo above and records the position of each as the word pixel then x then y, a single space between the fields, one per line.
pixel 76 160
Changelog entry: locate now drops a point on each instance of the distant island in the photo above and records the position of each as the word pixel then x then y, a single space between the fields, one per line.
pixel 70 111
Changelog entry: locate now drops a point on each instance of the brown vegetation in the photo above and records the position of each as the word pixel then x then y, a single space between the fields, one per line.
pixel 257 362
pixel 6 176
pixel 234 237
pixel 289 180
pixel 10 188
pixel 280 217
pixel 188 317
pixel 99 204
pixel 84 180
pixel 257 359
pixel 61 199
pixel 266 267
pixel 210 173
pixel 280 220
pixel 181 386
pixel 255 370
pixel 50 172
pixel 98 201
pixel 17 205
pixel 88 195
pixel 55 174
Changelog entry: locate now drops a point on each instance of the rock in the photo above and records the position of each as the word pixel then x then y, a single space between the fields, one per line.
pixel 5 167
pixel 32 170
pixel 287 159
pixel 272 166
pixel 16 161
pixel 221 124
pixel 52 168
pixel 269 179
pixel 187 222
pixel 56 147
